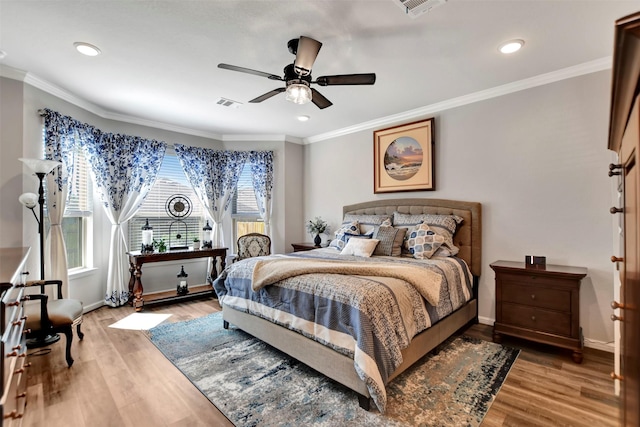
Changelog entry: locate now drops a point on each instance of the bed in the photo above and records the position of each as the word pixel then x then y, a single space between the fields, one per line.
pixel 276 298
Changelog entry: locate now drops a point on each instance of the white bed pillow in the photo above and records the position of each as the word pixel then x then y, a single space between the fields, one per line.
pixel 360 247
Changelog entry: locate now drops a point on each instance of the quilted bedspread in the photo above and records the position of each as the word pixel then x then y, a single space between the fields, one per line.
pixel 364 313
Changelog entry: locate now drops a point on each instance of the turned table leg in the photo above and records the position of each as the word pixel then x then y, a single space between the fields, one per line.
pixel 138 301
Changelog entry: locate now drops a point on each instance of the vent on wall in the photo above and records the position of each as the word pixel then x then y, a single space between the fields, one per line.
pixel 228 102
pixel 415 8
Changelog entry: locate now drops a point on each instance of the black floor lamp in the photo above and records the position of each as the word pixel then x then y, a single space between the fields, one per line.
pixel 30 200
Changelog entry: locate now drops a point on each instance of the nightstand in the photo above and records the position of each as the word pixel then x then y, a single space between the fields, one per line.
pixel 306 246
pixel 541 305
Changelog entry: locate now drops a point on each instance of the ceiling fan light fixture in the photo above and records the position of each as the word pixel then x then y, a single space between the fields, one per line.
pixel 298 93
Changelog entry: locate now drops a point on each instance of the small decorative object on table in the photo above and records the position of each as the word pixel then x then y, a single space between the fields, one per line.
pixel 196 243
pixel 207 236
pixel 183 286
pixel 147 237
pixel 317 227
pixel 160 244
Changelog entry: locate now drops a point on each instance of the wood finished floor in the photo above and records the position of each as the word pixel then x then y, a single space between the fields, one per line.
pixel 120 379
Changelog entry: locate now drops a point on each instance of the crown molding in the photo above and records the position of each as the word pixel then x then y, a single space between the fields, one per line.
pixel 540 80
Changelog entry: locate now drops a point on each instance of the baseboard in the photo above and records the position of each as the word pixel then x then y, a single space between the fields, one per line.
pixel 91 307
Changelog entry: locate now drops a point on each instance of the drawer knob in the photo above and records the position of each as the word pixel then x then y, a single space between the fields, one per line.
pixel 616 304
pixel 533 318
pixel 616 259
pixel 615 376
pixel 612 173
pixel 13 304
pixel 614 317
pixel 615 210
pixel 533 296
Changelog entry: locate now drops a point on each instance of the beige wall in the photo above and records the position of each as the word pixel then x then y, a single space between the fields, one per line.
pixel 10 168
pixel 536 160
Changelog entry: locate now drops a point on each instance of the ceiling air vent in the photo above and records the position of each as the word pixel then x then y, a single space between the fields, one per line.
pixel 228 103
pixel 415 8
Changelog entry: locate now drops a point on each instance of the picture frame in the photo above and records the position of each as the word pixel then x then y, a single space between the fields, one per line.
pixel 403 158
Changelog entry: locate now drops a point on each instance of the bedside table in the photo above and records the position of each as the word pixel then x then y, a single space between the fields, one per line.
pixel 306 246
pixel 541 305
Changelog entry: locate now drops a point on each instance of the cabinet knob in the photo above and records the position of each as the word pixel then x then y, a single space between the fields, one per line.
pixel 616 304
pixel 616 259
pixel 533 296
pixel 614 317
pixel 613 166
pixel 533 318
pixel 612 173
pixel 615 376
pixel 615 210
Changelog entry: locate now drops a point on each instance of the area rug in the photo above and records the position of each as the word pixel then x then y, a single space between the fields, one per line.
pixel 140 321
pixel 254 384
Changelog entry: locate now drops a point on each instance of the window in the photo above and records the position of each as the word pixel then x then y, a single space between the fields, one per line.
pixel 244 208
pixel 171 181
pixel 78 214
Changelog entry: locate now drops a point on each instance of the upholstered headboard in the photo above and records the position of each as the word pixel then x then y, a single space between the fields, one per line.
pixel 468 237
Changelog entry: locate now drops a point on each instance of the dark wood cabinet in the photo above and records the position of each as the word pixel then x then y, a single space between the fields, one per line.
pixel 624 140
pixel 541 305
pixel 13 345
pixel 306 246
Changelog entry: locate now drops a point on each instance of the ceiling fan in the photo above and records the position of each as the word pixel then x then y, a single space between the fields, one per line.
pixel 297 76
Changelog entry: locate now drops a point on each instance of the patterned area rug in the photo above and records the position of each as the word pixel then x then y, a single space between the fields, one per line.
pixel 254 384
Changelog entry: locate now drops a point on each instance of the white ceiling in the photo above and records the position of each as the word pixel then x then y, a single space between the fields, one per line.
pixel 159 58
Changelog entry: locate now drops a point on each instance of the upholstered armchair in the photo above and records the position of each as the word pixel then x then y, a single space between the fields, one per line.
pixel 252 245
pixel 50 317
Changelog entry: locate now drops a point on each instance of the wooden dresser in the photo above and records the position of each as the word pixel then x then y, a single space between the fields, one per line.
pixel 541 305
pixel 306 246
pixel 13 345
pixel 624 140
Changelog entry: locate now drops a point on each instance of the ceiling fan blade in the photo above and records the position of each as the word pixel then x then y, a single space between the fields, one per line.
pixel 308 49
pixel 267 95
pixel 347 79
pixel 250 71
pixel 320 101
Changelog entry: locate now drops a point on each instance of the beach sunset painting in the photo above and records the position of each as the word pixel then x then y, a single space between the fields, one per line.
pixel 403 158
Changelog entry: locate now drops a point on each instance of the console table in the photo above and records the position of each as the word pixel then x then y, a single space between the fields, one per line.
pixel 137 258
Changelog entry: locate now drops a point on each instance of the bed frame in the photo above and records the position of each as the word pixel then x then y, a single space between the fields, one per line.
pixel 340 367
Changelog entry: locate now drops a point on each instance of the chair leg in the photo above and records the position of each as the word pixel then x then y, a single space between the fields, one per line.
pixel 79 332
pixel 68 332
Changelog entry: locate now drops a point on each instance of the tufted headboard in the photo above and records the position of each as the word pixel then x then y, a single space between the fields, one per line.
pixel 468 237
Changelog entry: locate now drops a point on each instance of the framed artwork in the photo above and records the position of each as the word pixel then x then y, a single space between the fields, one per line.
pixel 403 158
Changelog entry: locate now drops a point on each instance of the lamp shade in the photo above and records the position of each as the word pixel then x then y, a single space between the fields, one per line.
pixel 40 165
pixel 29 200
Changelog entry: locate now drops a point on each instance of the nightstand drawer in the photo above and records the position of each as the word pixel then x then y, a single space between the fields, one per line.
pixel 537 319
pixel 536 296
pixel 535 278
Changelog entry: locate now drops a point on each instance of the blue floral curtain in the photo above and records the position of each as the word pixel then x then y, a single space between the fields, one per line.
pixel 62 135
pixel 213 174
pixel 262 179
pixel 124 169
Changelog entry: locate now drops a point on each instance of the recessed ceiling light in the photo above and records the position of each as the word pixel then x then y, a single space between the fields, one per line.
pixel 511 46
pixel 303 118
pixel 87 49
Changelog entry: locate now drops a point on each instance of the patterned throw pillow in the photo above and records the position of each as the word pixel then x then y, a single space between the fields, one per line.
pixel 391 240
pixel 442 225
pixel 423 242
pixel 343 235
pixel 368 223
